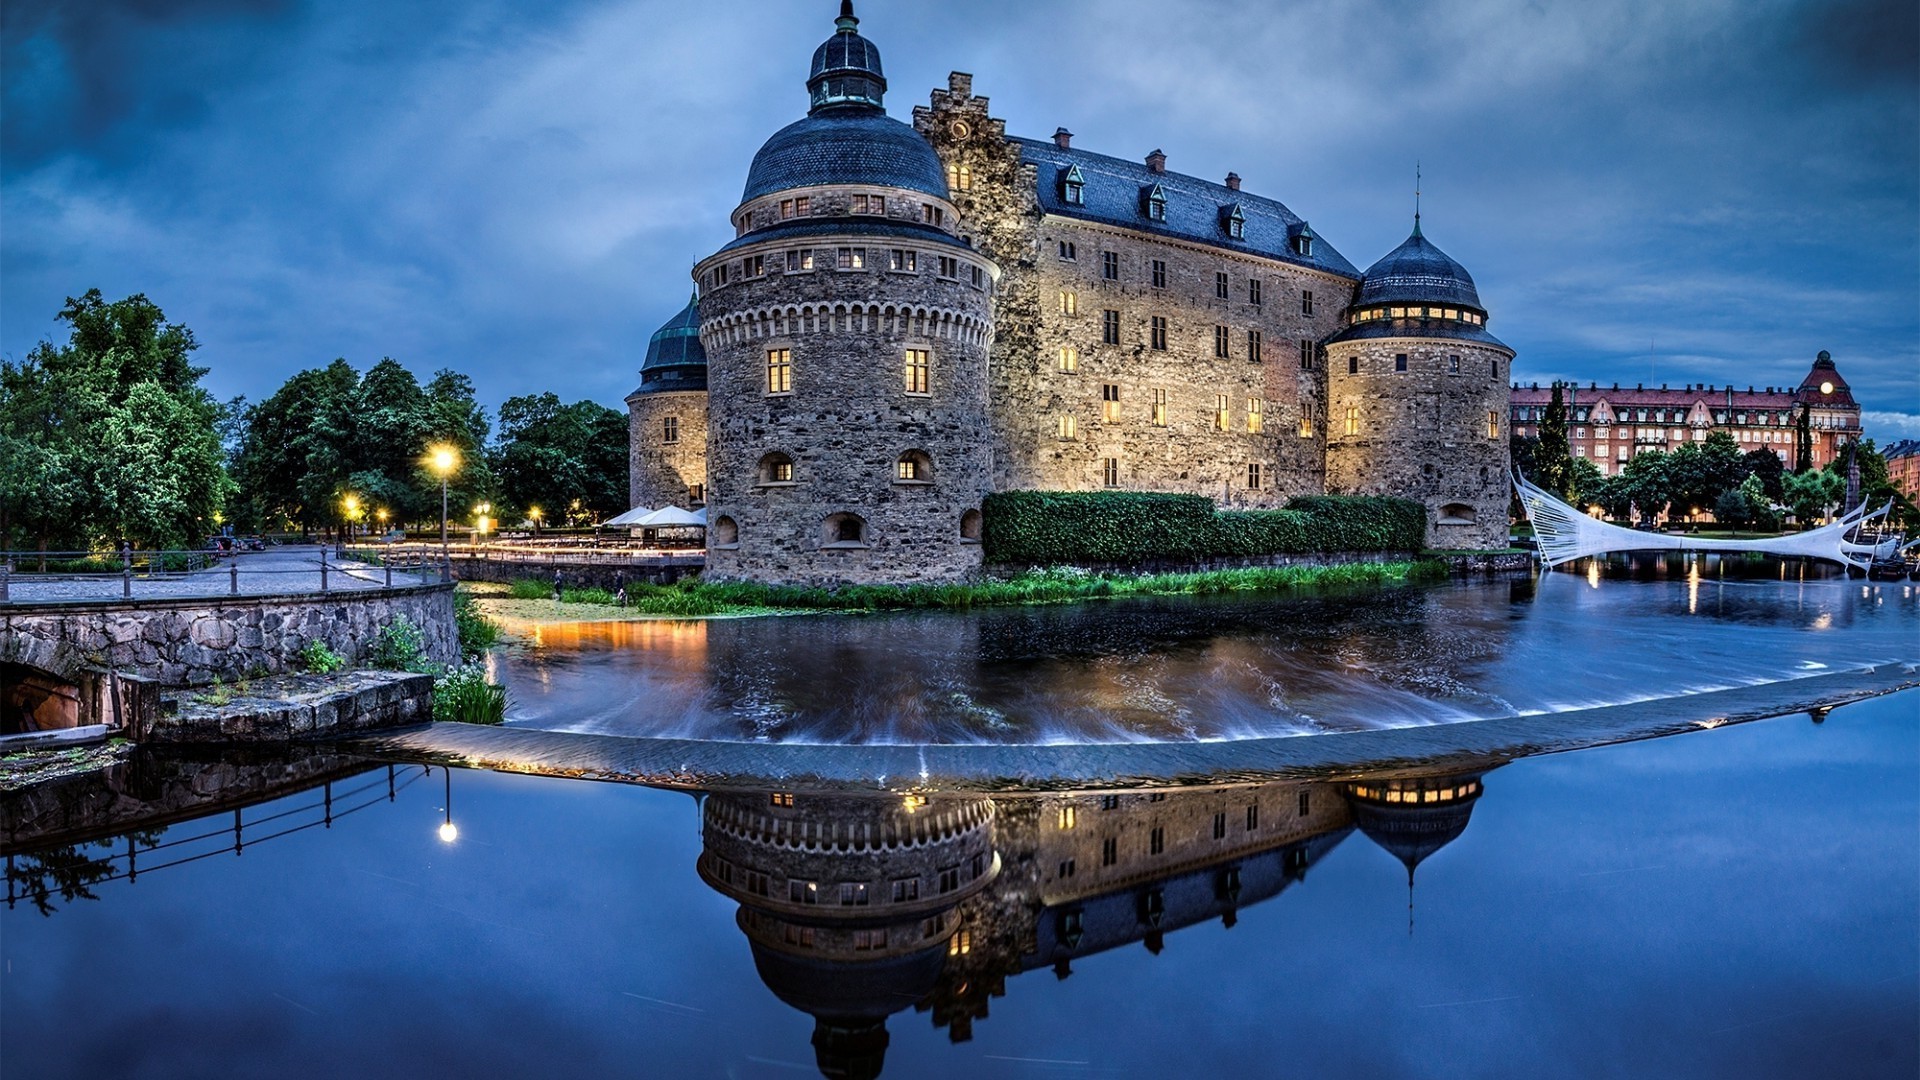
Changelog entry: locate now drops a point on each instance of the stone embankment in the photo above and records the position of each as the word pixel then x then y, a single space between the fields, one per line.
pixel 1459 563
pixel 295 707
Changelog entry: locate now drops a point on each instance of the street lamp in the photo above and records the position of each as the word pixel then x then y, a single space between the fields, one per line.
pixel 352 506
pixel 444 460
pixel 533 512
pixel 382 515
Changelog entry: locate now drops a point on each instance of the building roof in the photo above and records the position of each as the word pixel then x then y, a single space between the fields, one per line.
pixel 847 137
pixel 1670 397
pixel 850 225
pixel 1417 272
pixel 1115 193
pixel 675 358
pixel 1824 384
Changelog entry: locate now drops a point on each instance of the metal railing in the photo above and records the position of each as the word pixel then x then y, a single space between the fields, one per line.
pixel 558 555
pixel 70 576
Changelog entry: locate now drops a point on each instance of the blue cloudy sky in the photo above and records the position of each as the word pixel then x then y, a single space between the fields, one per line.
pixel 1704 191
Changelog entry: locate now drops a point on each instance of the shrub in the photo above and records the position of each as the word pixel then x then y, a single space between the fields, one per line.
pixel 477 632
pixel 529 589
pixel 317 658
pixel 1043 528
pixel 462 695
pixel 586 596
pixel 400 646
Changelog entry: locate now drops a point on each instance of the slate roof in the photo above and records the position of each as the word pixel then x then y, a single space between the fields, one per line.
pixel 848 225
pixel 1417 328
pixel 1196 209
pixel 846 145
pixel 1417 272
pixel 675 358
pixel 846 52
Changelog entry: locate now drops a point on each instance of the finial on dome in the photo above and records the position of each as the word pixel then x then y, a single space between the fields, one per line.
pixel 846 22
pixel 1416 196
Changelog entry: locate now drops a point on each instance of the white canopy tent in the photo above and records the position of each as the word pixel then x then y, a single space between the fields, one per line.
pixel 631 517
pixel 672 517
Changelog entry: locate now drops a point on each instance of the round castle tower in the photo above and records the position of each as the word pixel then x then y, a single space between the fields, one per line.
pixel 1417 397
pixel 846 330
pixel 667 418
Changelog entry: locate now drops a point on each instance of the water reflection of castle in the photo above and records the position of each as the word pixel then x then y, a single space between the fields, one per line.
pixel 858 907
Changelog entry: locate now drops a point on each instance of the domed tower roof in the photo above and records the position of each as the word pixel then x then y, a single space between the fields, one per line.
pixel 1417 272
pixel 1823 385
pixel 846 137
pixel 675 358
pixel 1412 819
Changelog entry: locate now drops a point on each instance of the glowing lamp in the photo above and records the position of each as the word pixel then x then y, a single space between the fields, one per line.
pixel 1826 387
pixel 449 832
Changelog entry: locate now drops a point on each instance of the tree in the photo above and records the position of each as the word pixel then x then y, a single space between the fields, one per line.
pixel 1766 466
pixel 1585 481
pixel 1813 494
pixel 1647 483
pixel 554 455
pixel 110 436
pixel 1551 458
pixel 1701 472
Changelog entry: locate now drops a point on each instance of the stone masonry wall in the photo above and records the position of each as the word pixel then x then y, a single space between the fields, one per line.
pixel 663 473
pixel 1422 433
pixel 848 419
pixel 193 642
pixel 1190 451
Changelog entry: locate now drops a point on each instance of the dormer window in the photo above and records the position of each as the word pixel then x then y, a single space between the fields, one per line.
pixel 1156 204
pixel 1236 223
pixel 1073 187
pixel 1302 241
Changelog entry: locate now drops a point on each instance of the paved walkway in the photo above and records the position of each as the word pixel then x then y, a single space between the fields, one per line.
pixel 273 571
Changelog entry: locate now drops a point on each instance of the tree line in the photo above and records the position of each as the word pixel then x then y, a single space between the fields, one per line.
pixel 111 438
pixel 1754 489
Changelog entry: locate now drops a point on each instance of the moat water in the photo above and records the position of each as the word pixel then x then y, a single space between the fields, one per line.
pixel 1741 901
pixel 1217 667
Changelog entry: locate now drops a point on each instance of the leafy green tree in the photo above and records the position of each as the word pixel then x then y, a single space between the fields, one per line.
pixel 1700 472
pixel 1768 468
pixel 1813 494
pixel 1552 460
pixel 110 436
pixel 1647 483
pixel 1585 479
pixel 287 466
pixel 554 456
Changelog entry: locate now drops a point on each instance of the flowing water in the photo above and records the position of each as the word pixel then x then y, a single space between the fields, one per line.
pixel 1188 668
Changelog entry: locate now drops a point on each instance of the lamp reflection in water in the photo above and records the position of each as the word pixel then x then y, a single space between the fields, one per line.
pixel 449 832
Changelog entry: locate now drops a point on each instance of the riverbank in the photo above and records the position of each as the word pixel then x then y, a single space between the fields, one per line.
pixel 531 603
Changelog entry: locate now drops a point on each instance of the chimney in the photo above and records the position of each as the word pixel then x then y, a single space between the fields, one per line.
pixel 960 84
pixel 1063 138
pixel 1233 181
pixel 1157 162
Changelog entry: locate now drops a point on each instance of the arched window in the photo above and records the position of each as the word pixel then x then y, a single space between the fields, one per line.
pixel 914 467
pixel 970 527
pixel 1455 514
pixel 843 530
pixel 776 468
pixel 725 533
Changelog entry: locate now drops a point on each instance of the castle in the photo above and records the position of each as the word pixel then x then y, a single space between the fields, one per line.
pixel 912 317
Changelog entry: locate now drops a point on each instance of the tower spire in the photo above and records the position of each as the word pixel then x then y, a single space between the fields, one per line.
pixel 1416 192
pixel 846 22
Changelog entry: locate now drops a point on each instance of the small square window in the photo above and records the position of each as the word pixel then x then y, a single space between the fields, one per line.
pixel 1400 362
pixel 906 261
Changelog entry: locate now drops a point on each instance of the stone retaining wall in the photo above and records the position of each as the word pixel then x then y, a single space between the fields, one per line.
pixel 578 575
pixel 303 707
pixel 192 642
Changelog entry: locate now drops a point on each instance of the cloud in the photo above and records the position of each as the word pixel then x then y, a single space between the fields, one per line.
pixel 520 191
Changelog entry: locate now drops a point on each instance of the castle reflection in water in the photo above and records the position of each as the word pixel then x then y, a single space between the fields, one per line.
pixel 861 906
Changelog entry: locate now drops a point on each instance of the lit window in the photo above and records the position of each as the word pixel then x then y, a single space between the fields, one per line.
pixel 799 259
pixel 1110 471
pixel 1110 265
pixel 1158 337
pixel 1069 817
pixel 776 468
pixel 1493 424
pixel 786 208
pixel 1069 359
pixel 1306 426
pixel 1253 291
pixel 854 894
pixel 1157 204
pixel 1353 419
pixel 1222 420
pixel 1222 343
pixel 1253 484
pixel 1110 402
pixel 779 371
pixel 753 266
pixel 1069 303
pixel 1067 426
pixel 961 943
pixel 783 798
pixel 670 429
pixel 1159 274
pixel 1398 313
pixel 903 260
pixel 1110 327
pixel 859 204
pixel 1453 365
pixel 1253 346
pixel 1256 418
pixel 802 206
pixel 1160 407
pixel 919 363
pixel 852 258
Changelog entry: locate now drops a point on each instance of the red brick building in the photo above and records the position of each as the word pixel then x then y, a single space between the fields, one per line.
pixel 1903 467
pixel 1608 425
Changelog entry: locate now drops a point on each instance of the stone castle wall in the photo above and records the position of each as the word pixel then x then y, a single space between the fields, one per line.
pixel 667 473
pixel 848 418
pixel 1423 433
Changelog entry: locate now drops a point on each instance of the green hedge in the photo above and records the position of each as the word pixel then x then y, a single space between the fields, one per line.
pixel 1042 528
